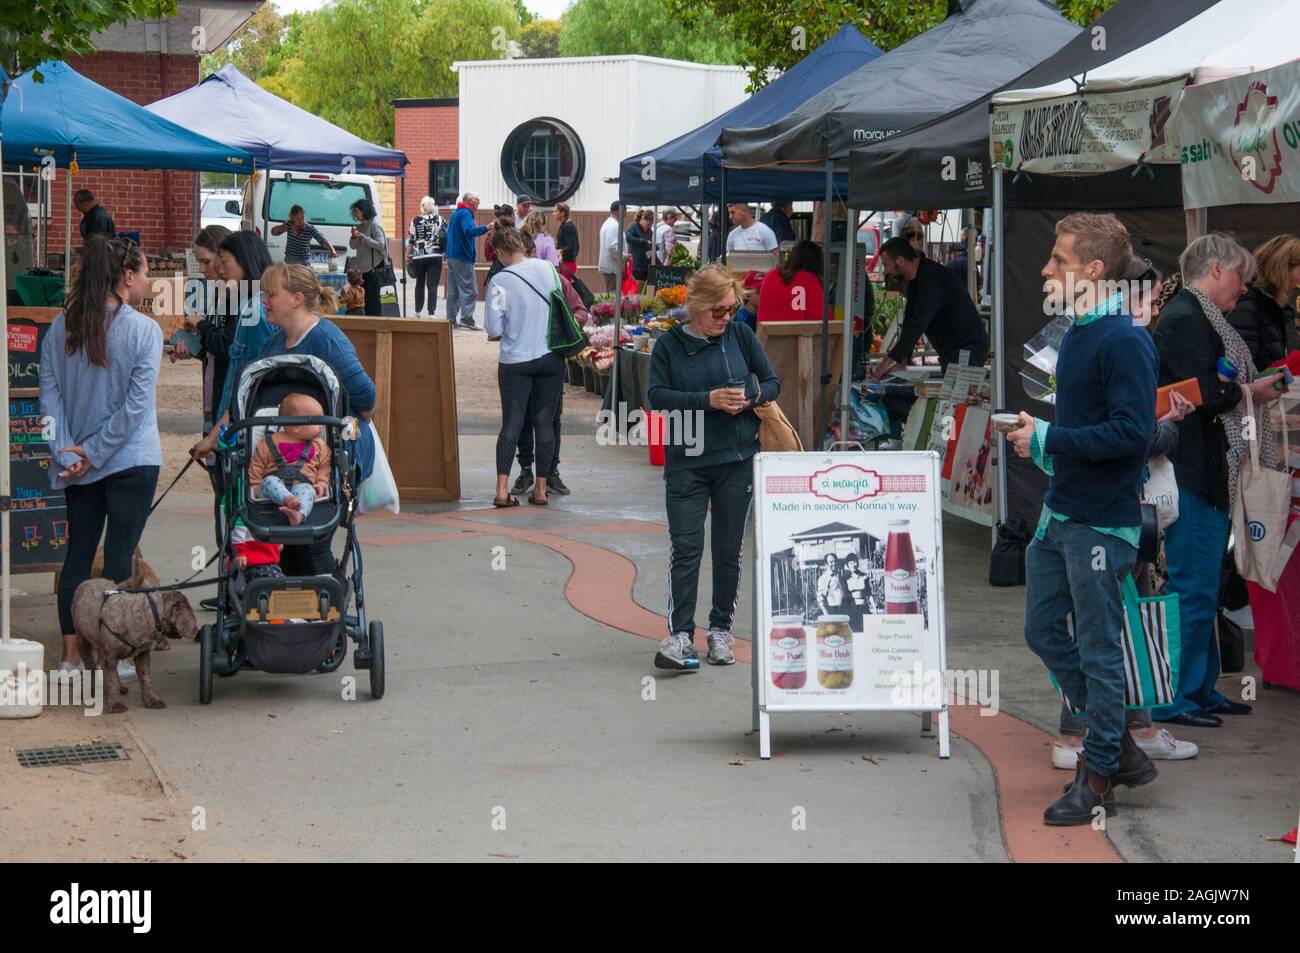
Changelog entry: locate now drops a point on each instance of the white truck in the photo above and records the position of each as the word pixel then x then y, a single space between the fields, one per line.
pixel 326 199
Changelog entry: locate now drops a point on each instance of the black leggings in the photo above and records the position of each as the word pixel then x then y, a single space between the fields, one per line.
pixel 122 500
pixel 426 271
pixel 540 380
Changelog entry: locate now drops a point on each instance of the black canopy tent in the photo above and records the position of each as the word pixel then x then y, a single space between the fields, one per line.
pixel 982 45
pixel 913 170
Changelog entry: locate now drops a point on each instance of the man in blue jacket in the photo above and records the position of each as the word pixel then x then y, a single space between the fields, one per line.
pixel 1088 532
pixel 461 232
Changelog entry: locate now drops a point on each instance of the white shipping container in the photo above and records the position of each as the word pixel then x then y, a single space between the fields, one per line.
pixel 617 106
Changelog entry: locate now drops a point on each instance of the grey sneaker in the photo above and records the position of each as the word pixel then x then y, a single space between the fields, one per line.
pixel 125 670
pixel 677 652
pixel 524 484
pixel 720 644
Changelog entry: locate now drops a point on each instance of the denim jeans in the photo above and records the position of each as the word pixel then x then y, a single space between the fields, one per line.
pixel 122 501
pixel 1194 548
pixel 688 495
pixel 275 490
pixel 1074 568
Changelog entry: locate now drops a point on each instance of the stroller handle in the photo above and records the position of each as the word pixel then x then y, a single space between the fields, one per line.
pixel 247 423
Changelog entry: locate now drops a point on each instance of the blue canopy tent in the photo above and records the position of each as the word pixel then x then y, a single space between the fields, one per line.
pixel 280 135
pixel 69 116
pixel 277 133
pixel 688 170
pixel 66 117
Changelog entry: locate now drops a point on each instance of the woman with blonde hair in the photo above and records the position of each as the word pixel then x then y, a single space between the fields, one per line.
pixel 425 241
pixel 1265 316
pixel 713 367
pixel 543 244
pixel 295 306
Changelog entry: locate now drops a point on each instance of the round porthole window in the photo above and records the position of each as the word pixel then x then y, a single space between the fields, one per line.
pixel 543 159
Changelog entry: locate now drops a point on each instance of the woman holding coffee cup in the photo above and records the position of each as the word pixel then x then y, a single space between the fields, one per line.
pixel 714 369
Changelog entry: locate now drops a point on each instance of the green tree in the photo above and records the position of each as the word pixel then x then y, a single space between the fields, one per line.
pixel 648 28
pixel 346 61
pixel 540 39
pixel 257 49
pixel 776 34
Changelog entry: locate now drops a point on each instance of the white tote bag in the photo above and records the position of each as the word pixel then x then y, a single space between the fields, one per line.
pixel 1161 490
pixel 379 490
pixel 1259 514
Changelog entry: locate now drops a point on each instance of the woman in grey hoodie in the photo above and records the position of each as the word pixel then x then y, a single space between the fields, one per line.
pixel 370 248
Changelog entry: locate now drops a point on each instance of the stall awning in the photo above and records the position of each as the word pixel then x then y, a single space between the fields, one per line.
pixel 912 170
pixel 68 114
pixel 276 132
pixel 971 53
pixel 688 169
pixel 1118 115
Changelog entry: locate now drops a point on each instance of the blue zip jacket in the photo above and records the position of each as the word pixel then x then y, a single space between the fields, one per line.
pixel 461 233
pixel 685 368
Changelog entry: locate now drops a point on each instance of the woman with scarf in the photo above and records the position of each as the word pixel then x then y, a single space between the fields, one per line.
pixel 1193 339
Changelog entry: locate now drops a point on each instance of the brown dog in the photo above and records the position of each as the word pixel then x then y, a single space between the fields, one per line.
pixel 142 577
pixel 122 625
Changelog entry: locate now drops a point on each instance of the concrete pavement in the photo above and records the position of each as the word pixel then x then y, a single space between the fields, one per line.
pixel 524 718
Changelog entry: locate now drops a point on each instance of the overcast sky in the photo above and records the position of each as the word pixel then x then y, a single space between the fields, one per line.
pixel 546 9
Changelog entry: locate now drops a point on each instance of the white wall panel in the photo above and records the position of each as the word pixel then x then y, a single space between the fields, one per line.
pixel 618 106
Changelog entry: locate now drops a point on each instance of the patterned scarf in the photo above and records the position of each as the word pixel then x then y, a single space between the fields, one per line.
pixel 1265 428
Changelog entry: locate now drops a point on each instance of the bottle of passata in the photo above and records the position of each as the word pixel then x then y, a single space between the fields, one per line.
pixel 789 652
pixel 900 571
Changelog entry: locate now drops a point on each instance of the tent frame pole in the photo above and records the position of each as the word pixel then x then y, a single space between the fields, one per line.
pixel 5 490
pixel 67 236
pixel 827 301
pixel 618 324
pixel 850 273
pixel 724 220
pixel 401 225
pixel 999 364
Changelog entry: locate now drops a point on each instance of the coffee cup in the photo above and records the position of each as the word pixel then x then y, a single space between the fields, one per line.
pixel 1006 423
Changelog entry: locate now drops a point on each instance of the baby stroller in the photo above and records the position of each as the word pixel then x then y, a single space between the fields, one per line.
pixel 278 623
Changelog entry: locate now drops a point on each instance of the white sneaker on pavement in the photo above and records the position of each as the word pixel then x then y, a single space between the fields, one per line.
pixel 125 670
pixel 1165 747
pixel 1066 757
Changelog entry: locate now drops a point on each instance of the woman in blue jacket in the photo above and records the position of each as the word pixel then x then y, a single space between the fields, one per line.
pixel 295 302
pixel 708 367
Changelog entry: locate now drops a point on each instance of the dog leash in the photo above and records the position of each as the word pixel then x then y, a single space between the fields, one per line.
pixel 169 489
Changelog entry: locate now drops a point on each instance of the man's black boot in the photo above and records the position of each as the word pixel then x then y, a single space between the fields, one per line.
pixel 1079 803
pixel 524 485
pixel 1135 768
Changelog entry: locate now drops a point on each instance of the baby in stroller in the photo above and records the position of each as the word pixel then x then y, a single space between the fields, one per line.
pixel 291 466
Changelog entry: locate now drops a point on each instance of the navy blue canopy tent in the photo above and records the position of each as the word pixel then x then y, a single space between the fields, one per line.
pixel 277 133
pixel 69 115
pixel 688 170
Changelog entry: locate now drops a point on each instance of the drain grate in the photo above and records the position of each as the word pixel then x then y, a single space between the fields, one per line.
pixel 92 753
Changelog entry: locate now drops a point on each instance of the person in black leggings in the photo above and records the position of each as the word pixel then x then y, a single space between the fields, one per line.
pixel 99 378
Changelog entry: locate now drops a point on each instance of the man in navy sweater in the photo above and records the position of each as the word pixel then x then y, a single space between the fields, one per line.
pixel 1088 532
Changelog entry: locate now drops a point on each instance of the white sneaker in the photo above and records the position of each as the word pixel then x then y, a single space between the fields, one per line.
pixel 67 669
pixel 1066 757
pixel 1165 747
pixel 125 671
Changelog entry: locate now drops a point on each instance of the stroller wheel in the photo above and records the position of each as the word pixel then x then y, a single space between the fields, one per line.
pixel 207 638
pixel 376 659
pixel 336 657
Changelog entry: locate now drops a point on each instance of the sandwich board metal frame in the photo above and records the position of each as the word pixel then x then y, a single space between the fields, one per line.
pixel 927 508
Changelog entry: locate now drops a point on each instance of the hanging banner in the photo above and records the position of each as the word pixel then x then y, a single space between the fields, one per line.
pixel 848 584
pixel 1240 139
pixel 1085 133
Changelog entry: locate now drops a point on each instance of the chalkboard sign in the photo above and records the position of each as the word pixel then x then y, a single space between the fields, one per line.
pixel 39 519
pixel 663 276
pixel 25 339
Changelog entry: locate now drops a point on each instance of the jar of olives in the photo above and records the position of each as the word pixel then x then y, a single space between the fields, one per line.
pixel 834 651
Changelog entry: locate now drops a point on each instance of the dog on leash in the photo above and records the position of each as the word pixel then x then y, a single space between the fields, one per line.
pixel 142 577
pixel 113 625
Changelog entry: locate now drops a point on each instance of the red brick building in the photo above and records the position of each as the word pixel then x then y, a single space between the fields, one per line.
pixel 428 131
pixel 145 61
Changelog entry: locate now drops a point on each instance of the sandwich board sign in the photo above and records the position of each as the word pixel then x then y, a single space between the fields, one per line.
pixel 848 586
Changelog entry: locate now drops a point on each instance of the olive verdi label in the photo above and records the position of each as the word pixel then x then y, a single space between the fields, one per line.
pixel 834 653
